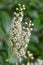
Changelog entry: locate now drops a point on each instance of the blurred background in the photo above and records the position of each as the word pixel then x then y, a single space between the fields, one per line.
pixel 34 11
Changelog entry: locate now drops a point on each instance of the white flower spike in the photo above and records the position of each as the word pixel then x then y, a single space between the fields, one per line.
pixel 19 35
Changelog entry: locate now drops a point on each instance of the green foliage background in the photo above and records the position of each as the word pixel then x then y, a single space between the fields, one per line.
pixel 34 11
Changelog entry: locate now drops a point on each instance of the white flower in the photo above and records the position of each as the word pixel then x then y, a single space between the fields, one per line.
pixel 31 63
pixel 22 52
pixel 26 23
pixel 26 45
pixel 23 64
pixel 31 29
pixel 14 13
pixel 17 9
pixel 32 24
pixel 20 60
pixel 19 4
pixel 20 35
pixel 30 54
pixel 23 6
pixel 23 27
pixel 28 63
pixel 32 57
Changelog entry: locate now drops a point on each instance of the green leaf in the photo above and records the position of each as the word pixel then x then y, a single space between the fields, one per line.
pixel 32 47
pixel 1 45
pixel 37 24
pixel 2 35
pixel 12 60
pixel 33 14
pixel 34 38
pixel 2 5
pixel 5 20
pixel 1 61
pixel 34 3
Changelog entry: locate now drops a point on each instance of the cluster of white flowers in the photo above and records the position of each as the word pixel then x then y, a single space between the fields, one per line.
pixel 39 62
pixel 20 35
